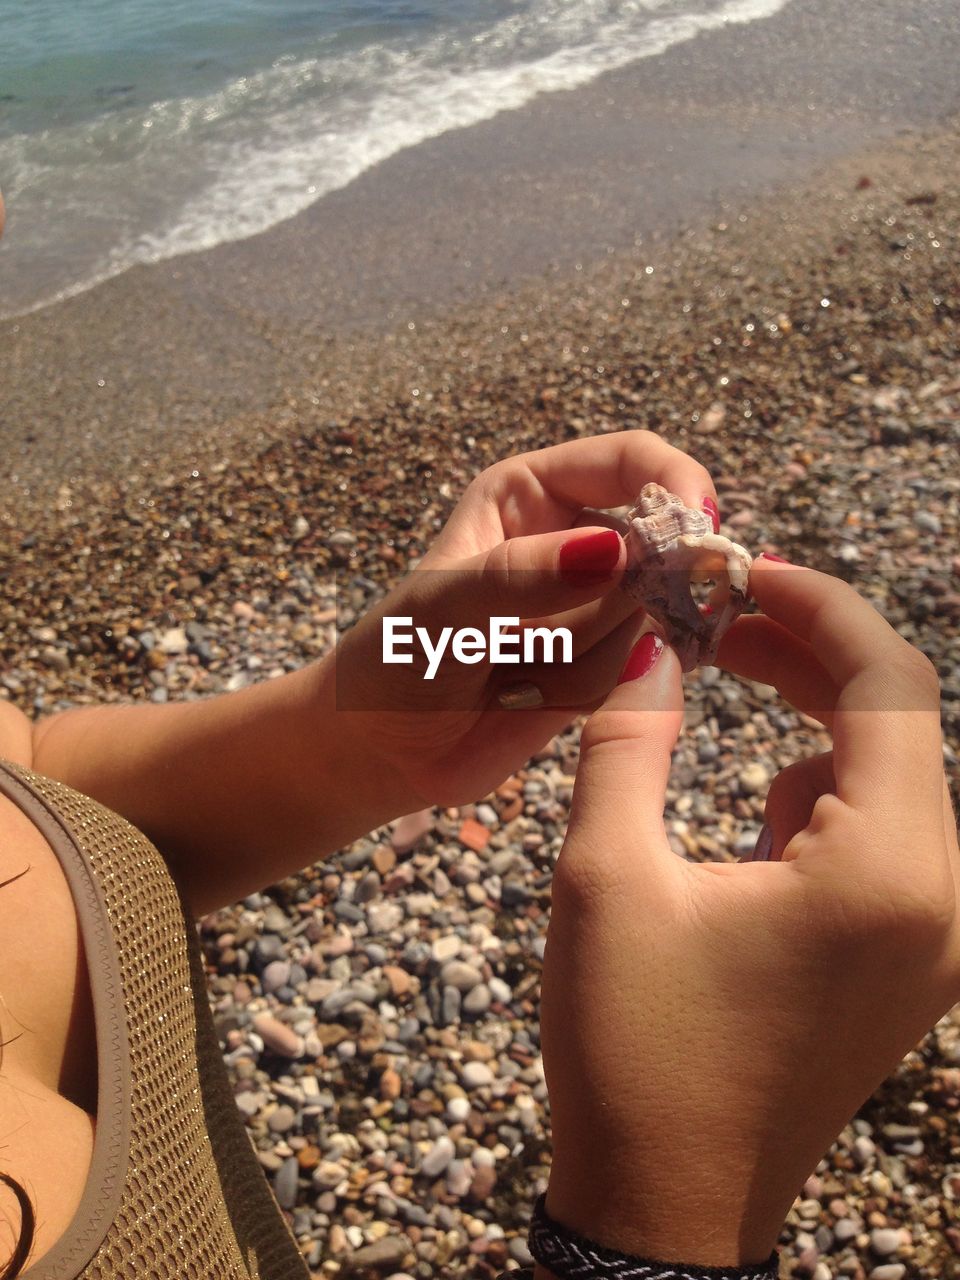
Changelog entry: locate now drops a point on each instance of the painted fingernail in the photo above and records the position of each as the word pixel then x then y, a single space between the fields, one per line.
pixel 763 848
pixel 768 555
pixel 713 511
pixel 584 561
pixel 516 697
pixel 645 653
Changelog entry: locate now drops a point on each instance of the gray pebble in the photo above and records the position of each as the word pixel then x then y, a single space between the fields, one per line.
pixel 477 1001
pixel 276 974
pixel 475 1075
pixel 285 1183
pixel 456 973
pixel 282 1120
pixel 438 1157
pixel 450 1005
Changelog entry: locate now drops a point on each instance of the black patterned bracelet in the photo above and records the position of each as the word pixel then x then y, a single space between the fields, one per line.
pixel 571 1257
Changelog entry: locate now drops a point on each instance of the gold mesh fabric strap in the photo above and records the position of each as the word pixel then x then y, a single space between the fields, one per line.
pixel 175 1189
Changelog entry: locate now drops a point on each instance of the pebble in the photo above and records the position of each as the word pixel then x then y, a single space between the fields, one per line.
pixel 278 1036
pixel 438 1157
pixel 285 1183
pixel 884 1241
pixel 476 1075
pixel 753 779
pixel 456 973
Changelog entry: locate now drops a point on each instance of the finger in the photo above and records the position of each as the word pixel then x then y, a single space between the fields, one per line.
pixel 526 578
pixel 616 815
pixel 592 622
pixel 757 648
pixel 886 727
pixel 545 489
pixel 582 684
pixel 791 798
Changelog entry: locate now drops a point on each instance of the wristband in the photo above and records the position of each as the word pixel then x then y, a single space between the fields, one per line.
pixel 572 1257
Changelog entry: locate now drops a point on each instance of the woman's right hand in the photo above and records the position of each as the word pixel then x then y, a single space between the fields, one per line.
pixel 708 1029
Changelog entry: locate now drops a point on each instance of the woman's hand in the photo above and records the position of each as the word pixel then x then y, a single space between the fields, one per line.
pixel 708 1029
pixel 508 550
pixel 242 790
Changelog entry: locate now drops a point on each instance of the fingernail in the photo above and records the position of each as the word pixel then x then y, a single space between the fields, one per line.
pixel 768 555
pixel 763 848
pixel 645 653
pixel 584 561
pixel 515 697
pixel 713 511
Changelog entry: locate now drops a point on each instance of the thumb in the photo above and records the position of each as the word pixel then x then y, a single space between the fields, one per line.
pixel 625 747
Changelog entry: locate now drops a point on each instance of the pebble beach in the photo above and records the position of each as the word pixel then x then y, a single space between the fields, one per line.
pixel 379 1012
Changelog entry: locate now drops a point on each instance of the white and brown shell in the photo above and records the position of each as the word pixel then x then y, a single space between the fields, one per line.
pixel 670 546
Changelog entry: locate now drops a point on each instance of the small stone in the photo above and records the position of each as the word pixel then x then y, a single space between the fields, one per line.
pixel 500 990
pixel 437 1158
pixel 459 1178
pixel 753 779
pixel 382 1254
pixel 459 974
pixel 410 830
pixel 474 835
pixel 278 1036
pixel 884 1241
pixel 458 1109
pixel 450 1003
pixel 928 522
pixel 400 981
pixel 328 1175
pixel 391 1086
pixel 384 859
pixel 889 1271
pixel 384 917
pixel 476 1075
pixel 282 1120
pixel 174 641
pixel 477 1000
pixel 275 975
pixel 285 1183
pixel 484 1180
pixel 445 948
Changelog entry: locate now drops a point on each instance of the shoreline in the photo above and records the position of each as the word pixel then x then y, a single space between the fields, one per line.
pixel 170 363
pixel 99 400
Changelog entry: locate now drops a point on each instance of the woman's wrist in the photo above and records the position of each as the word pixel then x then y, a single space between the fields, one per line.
pixel 692 1225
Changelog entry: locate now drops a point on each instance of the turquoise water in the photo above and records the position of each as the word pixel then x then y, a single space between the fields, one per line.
pixel 134 131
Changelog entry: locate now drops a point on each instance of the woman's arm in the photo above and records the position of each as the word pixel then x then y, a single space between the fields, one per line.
pixel 237 791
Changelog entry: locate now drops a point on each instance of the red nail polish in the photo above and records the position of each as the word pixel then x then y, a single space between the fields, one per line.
pixel 645 653
pixel 713 511
pixel 585 561
pixel 768 555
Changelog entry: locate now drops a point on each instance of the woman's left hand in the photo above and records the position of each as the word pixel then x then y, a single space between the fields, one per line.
pixel 508 550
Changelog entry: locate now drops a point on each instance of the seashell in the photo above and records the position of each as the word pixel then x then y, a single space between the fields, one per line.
pixel 670 546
